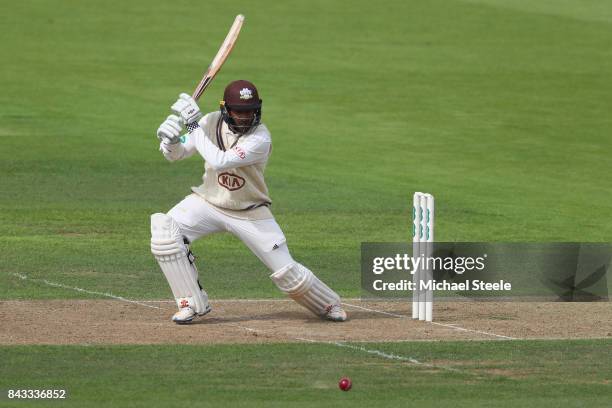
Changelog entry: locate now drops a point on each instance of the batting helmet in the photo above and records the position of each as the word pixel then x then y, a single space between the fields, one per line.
pixel 241 96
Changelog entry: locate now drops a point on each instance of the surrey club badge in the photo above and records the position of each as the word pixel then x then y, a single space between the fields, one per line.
pixel 246 93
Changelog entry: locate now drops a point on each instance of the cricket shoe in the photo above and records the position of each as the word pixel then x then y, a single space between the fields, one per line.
pixel 187 314
pixel 335 313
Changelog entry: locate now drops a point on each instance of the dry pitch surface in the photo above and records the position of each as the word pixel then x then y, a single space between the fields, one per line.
pixel 280 321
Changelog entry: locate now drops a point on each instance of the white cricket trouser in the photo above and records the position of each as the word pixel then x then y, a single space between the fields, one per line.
pixel 197 218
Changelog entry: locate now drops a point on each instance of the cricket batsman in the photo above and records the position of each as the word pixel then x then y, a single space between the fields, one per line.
pixel 235 146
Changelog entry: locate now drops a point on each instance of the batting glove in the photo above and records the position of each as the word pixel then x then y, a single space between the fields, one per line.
pixel 169 132
pixel 187 108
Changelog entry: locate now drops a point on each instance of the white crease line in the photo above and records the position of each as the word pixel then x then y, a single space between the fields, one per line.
pixel 141 303
pixel 474 331
pixel 223 300
pixel 245 328
pixel 77 289
pixel 227 300
pixel 389 356
pixel 338 344
pixel 374 311
pixel 452 326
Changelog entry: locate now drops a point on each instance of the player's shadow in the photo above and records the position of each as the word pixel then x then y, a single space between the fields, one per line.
pixel 293 316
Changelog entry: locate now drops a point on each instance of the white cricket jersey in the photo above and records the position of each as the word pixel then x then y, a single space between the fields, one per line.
pixel 234 166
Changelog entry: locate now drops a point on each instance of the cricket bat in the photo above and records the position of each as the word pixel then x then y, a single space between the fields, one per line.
pixel 222 54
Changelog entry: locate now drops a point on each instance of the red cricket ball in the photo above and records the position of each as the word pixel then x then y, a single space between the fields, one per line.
pixel 345 384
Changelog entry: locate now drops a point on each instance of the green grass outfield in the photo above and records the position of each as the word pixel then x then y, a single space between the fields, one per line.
pixel 475 374
pixel 501 109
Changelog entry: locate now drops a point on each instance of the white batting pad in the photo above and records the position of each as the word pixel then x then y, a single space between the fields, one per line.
pixel 305 288
pixel 171 254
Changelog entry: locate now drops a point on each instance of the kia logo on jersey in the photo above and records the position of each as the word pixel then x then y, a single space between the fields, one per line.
pixel 230 181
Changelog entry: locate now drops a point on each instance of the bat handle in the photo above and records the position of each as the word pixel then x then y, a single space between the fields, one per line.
pixel 201 87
